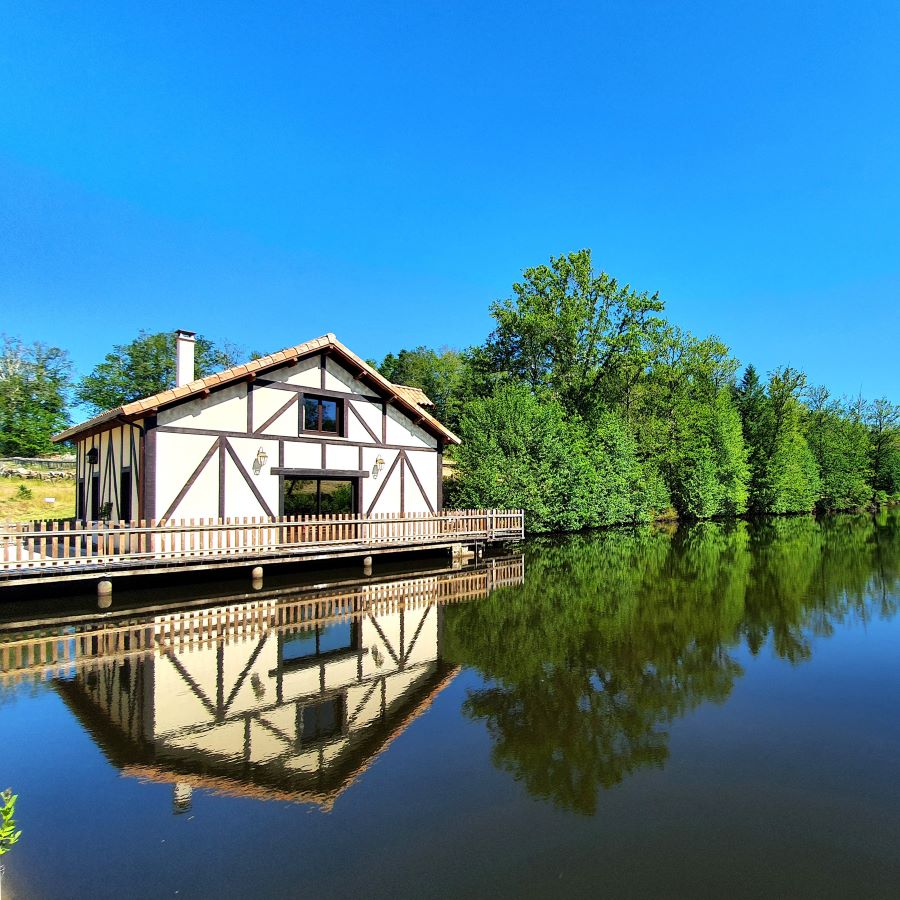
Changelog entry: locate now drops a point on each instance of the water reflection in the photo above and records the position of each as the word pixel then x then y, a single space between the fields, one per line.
pixel 284 698
pixel 613 636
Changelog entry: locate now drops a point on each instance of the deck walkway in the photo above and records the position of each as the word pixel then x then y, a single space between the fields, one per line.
pixel 56 552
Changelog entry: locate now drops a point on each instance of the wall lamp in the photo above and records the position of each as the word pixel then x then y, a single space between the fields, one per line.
pixel 379 465
pixel 261 459
pixel 92 456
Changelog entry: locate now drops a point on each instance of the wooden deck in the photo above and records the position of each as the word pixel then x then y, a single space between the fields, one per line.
pixel 64 551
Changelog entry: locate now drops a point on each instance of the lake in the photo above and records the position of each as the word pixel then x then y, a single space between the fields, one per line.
pixel 694 711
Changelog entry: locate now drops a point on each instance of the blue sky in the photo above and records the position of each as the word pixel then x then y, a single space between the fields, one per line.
pixel 267 172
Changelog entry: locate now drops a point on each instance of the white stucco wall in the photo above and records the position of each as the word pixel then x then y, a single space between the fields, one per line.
pixel 226 414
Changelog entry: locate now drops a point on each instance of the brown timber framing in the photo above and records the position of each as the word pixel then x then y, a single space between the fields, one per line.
pixel 440 476
pixel 320 473
pixel 317 392
pixel 148 468
pixel 306 438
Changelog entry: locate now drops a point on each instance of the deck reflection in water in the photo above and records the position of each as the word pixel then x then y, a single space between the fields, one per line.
pixel 288 699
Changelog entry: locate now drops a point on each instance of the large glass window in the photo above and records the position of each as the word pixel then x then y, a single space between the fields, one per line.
pixel 318 496
pixel 322 414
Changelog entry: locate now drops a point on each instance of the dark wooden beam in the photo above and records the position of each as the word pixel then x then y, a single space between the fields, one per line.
pixel 328 474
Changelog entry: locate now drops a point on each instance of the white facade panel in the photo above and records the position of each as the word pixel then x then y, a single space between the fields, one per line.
pixel 223 410
pixel 400 430
pixel 341 456
pixel 337 378
pixel 389 499
pixel 305 373
pixel 371 415
pixel 267 401
pixel 177 457
pixel 302 456
pixel 424 465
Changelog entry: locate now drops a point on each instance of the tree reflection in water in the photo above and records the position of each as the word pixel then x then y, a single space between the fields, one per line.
pixel 616 634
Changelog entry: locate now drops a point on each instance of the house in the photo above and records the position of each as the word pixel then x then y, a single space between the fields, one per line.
pixel 309 430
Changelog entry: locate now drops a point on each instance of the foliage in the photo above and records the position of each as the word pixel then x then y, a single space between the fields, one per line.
pixel 654 417
pixel 24 492
pixel 8 833
pixel 624 489
pixel 883 421
pixel 440 374
pixel 785 477
pixel 524 451
pixel 841 445
pixel 146 366
pixel 688 421
pixel 35 382
pixel 572 332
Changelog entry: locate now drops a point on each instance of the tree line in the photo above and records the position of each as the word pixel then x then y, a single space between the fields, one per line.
pixel 584 406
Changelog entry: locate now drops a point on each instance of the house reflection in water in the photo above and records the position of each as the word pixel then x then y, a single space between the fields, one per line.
pixel 288 699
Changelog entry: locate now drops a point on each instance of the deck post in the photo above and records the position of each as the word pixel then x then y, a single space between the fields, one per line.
pixel 104 593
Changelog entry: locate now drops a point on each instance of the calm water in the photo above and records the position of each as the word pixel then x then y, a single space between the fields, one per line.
pixel 708 711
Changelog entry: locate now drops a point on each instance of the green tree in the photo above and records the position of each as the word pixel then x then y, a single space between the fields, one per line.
pixel 687 421
pixel 523 452
pixel 786 476
pixel 440 374
pixel 840 443
pixel 573 332
pixel 883 420
pixel 624 488
pixel 146 366
pixel 35 381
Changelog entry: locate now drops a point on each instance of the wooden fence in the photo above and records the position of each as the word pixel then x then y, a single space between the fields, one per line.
pixel 80 544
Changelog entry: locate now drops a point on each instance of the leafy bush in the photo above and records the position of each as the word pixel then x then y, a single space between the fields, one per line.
pixel 521 450
pixel 8 833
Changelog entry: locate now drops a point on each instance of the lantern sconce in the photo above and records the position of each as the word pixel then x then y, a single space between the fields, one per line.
pixel 376 469
pixel 261 459
pixel 92 456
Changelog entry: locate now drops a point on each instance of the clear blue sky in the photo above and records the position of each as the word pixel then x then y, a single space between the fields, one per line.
pixel 267 172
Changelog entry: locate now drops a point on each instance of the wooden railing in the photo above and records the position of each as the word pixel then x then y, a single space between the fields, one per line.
pixel 79 544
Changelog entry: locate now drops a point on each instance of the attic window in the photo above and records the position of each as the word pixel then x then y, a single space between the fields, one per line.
pixel 322 414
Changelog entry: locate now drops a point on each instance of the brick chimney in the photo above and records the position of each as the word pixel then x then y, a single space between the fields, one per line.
pixel 184 357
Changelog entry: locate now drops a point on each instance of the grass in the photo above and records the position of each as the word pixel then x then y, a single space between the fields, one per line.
pixel 15 508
